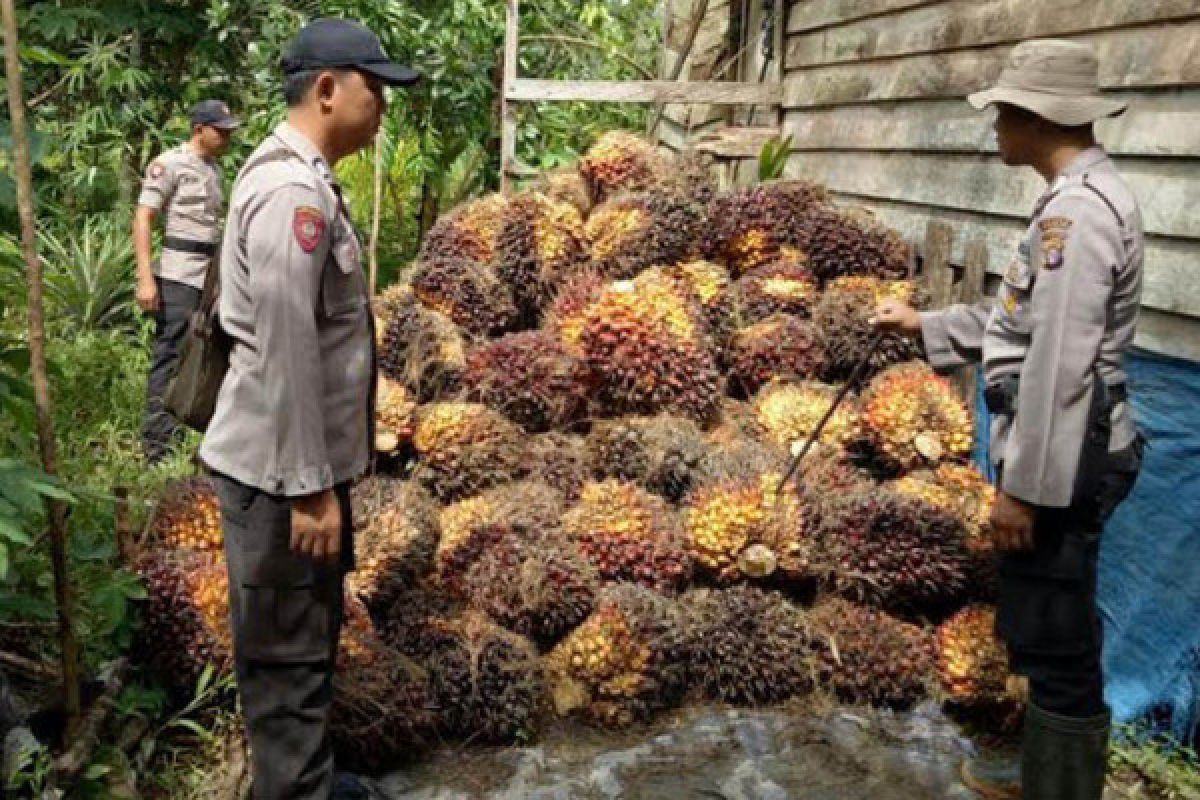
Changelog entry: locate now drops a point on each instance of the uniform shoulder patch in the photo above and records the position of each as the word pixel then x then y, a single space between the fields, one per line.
pixel 1054 240
pixel 308 225
pixel 1055 225
pixel 155 170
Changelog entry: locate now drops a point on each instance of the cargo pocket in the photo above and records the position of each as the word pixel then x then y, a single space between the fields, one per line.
pixel 1047 603
pixel 343 290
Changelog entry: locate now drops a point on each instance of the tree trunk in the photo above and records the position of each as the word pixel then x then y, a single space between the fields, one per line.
pixel 376 213
pixel 37 354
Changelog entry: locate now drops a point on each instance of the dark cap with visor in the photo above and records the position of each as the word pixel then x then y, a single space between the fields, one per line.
pixel 341 43
pixel 214 113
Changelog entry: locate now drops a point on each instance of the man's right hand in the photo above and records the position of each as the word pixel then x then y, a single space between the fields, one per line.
pixel 894 315
pixel 317 526
pixel 146 295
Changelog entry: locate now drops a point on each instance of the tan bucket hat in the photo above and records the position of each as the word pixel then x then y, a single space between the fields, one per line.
pixel 1056 79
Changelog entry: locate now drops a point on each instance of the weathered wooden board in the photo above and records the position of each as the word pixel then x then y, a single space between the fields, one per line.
pixel 1168 334
pixel 734 141
pixel 528 90
pixel 1169 192
pixel 1163 123
pixel 970 23
pixel 808 15
pixel 1153 56
pixel 1172 279
pixel 679 137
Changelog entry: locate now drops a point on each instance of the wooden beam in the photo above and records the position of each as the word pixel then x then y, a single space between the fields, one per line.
pixel 814 14
pixel 508 112
pixel 698 14
pixel 710 93
pixel 735 142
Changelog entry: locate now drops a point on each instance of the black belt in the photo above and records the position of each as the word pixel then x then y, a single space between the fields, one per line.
pixel 190 246
pixel 1001 397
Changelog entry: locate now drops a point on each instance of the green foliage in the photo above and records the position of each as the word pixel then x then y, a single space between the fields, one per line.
pixel 773 158
pixel 1157 767
pixel 89 273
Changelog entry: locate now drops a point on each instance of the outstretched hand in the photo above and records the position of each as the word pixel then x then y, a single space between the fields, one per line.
pixel 894 315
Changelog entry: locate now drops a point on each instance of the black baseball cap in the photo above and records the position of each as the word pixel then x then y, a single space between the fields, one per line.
pixel 214 113
pixel 332 43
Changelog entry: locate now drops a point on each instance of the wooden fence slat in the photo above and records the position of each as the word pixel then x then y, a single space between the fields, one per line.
pixel 713 93
pixel 813 14
pixel 971 290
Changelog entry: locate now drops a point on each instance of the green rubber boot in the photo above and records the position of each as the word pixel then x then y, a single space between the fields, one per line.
pixel 1064 758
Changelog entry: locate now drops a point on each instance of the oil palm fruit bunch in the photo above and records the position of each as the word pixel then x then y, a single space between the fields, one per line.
pixel 624 662
pixel 421 349
pixel 559 460
pixel 406 625
pixel 629 535
pixel 887 550
pixel 646 344
pixel 465 448
pixel 185 617
pixel 621 161
pixel 740 525
pixel 746 646
pixel 913 418
pixel 470 526
pixel 538 586
pixel 972 667
pixel 382 709
pixel 844 316
pixel 636 231
pixel 662 453
pixel 867 657
pixel 788 413
pixel 529 377
pixel 839 242
pixel 395 414
pixel 468 232
pixel 566 316
pixel 467 292
pixel 397 535
pixel 486 681
pixel 710 286
pixel 751 227
pixel 188 516
pixel 691 174
pixel 781 346
pixel 565 185
pixel 542 243
pixel 783 286
pixel 734 424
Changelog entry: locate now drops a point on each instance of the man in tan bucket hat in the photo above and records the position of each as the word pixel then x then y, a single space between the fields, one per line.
pixel 1066 452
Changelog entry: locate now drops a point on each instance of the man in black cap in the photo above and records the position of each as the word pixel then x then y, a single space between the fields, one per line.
pixel 292 425
pixel 183 185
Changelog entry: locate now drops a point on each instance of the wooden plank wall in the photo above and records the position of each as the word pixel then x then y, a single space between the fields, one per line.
pixel 874 98
pixel 709 55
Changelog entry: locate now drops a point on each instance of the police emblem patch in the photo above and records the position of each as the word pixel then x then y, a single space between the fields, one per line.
pixel 1054 236
pixel 308 225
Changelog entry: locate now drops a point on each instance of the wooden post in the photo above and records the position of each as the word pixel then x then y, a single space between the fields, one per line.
pixel 37 356
pixel 970 290
pixel 938 275
pixel 508 111
pixel 376 213
pixel 697 21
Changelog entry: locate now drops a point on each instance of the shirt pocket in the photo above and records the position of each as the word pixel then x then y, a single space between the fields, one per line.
pixel 342 288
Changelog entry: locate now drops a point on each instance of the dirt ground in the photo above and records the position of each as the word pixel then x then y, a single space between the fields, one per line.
pixel 773 754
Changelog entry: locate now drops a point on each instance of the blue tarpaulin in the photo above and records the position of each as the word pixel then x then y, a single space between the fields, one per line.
pixel 1149 592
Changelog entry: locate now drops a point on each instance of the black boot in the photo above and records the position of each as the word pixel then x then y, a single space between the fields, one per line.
pixel 1064 758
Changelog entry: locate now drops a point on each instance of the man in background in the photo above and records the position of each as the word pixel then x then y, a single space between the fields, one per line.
pixel 183 186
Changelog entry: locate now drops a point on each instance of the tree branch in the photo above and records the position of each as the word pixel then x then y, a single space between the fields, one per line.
pixel 550 37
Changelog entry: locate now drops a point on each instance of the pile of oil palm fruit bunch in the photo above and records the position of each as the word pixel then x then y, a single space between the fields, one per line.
pixel 589 395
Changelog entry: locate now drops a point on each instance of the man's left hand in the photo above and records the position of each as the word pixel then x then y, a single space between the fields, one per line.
pixel 1012 523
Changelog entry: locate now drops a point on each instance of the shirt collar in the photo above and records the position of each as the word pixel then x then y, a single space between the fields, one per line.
pixel 303 147
pixel 1083 162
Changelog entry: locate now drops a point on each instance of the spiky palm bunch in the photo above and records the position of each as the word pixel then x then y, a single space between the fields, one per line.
pixel 661 454
pixel 467 292
pixel 746 646
pixel 884 549
pixel 538 586
pixel 647 346
pixel 419 348
pixel 620 161
pixel 468 232
pixel 465 448
pixel 566 185
pixel 629 535
pixel 972 661
pixel 839 242
pixel 542 244
pixel 529 377
pixel 781 346
pixel 788 414
pixel 784 286
pixel 633 232
pixel 868 657
pixel 395 414
pixel 913 418
pixel 751 227
pixel 844 316
pixel 625 661
pixel 559 460
pixel 397 533
pixel 188 516
pixel 567 315
pixel 711 287
pixel 185 617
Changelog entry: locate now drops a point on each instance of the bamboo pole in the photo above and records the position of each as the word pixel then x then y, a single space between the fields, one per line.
pixel 37 353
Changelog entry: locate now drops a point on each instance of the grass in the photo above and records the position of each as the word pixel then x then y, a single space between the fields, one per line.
pixel 1156 768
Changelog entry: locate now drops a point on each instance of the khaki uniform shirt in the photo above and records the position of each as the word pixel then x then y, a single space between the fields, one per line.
pixel 186 190
pixel 292 416
pixel 1068 304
